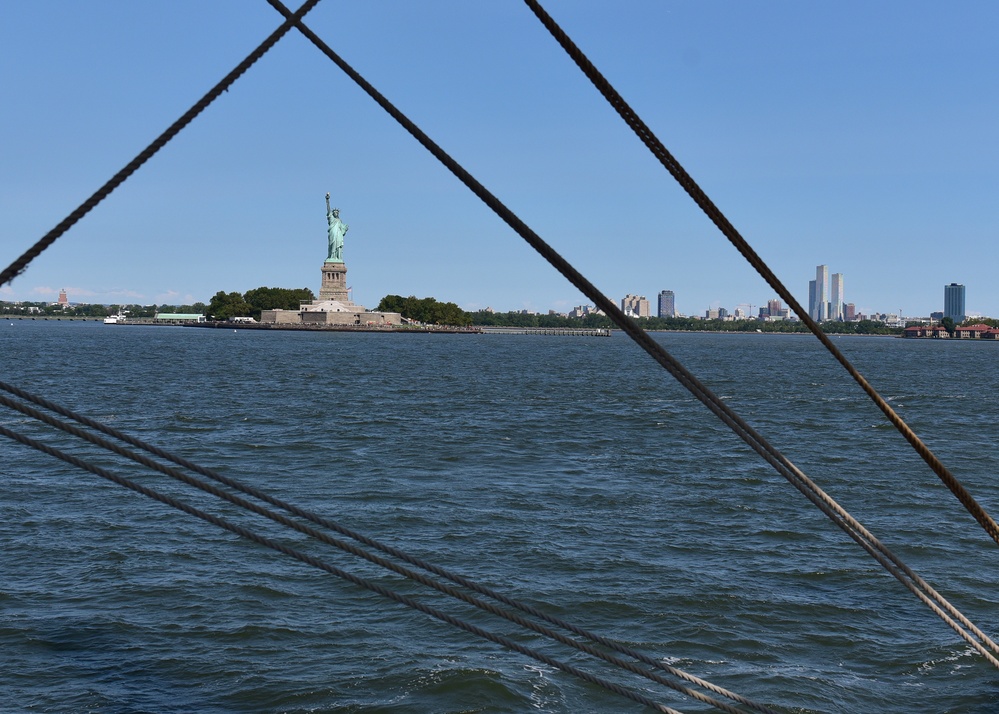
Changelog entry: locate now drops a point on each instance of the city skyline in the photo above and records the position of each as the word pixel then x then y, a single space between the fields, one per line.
pixel 818 155
pixel 635 305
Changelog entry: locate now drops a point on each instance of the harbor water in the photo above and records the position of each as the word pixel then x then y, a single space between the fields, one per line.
pixel 573 474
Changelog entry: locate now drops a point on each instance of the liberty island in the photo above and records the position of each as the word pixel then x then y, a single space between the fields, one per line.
pixel 334 306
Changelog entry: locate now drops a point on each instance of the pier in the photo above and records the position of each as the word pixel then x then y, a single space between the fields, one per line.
pixel 560 331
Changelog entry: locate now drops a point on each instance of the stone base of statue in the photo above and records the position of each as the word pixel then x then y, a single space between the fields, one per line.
pixel 334 308
pixel 334 282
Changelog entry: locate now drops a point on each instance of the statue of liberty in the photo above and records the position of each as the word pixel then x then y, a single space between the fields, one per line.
pixel 337 229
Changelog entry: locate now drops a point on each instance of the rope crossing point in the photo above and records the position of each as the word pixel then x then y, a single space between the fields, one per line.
pixel 754 440
pixel 540 629
pixel 21 263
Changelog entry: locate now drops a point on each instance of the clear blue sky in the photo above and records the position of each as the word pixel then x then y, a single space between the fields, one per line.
pixel 854 134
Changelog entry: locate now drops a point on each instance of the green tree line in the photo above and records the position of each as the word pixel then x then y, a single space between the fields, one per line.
pixel 519 319
pixel 224 305
pixel 426 310
pixel 430 311
pixel 94 310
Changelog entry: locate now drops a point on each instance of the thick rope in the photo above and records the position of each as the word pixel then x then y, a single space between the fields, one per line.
pixel 359 552
pixel 333 570
pixel 761 446
pixel 658 352
pixel 19 265
pixel 343 530
pixel 728 230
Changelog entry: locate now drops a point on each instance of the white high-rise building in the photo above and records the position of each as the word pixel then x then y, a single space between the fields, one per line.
pixel 818 294
pixel 836 297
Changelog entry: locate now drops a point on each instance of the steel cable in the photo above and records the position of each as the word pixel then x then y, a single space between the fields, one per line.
pixel 343 530
pixel 21 263
pixel 657 352
pixel 333 570
pixel 742 429
pixel 646 135
pixel 360 552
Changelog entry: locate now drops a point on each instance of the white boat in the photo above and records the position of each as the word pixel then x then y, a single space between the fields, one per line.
pixel 115 319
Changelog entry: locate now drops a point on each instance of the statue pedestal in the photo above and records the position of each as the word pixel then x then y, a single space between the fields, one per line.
pixel 334 284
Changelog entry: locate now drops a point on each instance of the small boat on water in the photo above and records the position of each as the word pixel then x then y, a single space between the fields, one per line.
pixel 115 319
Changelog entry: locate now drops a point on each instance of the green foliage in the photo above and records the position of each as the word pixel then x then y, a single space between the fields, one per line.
pixel 991 322
pixel 426 310
pixel 263 298
pixel 948 324
pixel 225 305
pixel 687 324
pixel 141 310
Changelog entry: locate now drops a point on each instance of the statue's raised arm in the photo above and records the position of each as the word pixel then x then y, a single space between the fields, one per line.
pixel 337 229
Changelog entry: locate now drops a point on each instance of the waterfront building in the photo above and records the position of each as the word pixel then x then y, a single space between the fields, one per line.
pixel 635 306
pixel 975 332
pixel 63 299
pixel 836 297
pixel 954 302
pixel 774 308
pixel 667 304
pixel 849 312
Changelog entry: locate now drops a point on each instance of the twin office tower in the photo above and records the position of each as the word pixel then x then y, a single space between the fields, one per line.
pixel 825 296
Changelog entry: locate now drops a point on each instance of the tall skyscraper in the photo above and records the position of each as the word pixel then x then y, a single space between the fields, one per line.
pixel 954 302
pixel 818 297
pixel 667 304
pixel 836 297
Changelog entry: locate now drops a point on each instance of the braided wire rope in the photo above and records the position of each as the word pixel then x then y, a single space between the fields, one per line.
pixel 20 264
pixel 646 135
pixel 338 572
pixel 361 553
pixel 767 451
pixel 761 446
pixel 343 530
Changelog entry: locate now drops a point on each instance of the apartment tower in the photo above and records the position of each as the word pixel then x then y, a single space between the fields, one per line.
pixel 836 297
pixel 818 294
pixel 667 304
pixel 954 302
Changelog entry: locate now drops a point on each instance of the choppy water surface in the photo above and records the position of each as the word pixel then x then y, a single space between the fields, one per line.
pixel 572 473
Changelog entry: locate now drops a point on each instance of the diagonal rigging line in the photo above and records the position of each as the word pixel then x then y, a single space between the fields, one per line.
pixel 932 598
pixel 339 528
pixel 753 439
pixel 353 550
pixel 718 218
pixel 742 429
pixel 19 265
pixel 322 537
pixel 333 570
